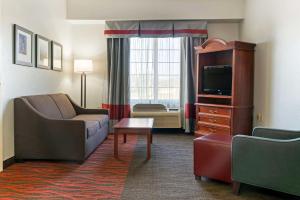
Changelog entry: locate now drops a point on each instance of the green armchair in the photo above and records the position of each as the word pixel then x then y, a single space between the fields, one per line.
pixel 269 159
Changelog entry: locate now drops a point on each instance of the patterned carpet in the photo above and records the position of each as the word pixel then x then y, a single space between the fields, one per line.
pixel 100 177
pixel 168 175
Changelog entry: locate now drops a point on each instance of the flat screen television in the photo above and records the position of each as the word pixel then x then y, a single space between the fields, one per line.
pixel 217 79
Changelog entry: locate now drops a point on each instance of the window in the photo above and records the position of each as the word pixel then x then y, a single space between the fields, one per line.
pixel 155 71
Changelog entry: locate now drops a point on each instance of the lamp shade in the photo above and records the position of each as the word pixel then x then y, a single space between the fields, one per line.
pixel 83 66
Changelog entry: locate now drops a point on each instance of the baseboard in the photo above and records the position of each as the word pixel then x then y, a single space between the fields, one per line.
pixel 8 162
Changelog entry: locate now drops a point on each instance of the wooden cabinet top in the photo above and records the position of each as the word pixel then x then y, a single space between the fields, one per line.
pixel 216 44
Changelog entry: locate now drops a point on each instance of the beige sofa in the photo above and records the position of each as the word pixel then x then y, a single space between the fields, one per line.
pixel 163 117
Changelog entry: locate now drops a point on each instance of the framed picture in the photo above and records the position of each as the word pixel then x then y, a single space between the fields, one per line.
pixel 23 44
pixel 43 52
pixel 57 56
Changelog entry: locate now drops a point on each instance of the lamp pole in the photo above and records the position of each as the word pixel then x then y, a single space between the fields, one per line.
pixel 83 90
pixel 83 66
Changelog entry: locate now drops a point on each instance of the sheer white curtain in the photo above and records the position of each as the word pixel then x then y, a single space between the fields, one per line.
pixel 155 71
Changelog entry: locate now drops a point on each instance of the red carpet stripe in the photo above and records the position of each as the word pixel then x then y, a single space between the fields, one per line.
pixel 100 177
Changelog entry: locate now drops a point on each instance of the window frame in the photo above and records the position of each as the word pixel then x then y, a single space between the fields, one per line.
pixel 156 87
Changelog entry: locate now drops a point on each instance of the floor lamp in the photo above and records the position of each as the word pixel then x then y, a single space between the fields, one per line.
pixel 83 67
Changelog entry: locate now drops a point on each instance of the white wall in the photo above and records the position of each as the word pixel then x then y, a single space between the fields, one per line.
pixel 89 42
pixel 225 31
pixel 48 19
pixel 276 31
pixel 155 9
pixel 1 69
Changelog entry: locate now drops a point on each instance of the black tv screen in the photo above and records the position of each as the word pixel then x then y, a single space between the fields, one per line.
pixel 217 79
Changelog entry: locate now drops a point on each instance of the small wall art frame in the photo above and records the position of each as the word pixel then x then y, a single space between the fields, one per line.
pixel 56 56
pixel 23 46
pixel 43 52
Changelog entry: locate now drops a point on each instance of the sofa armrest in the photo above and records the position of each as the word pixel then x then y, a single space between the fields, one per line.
pixel 275 133
pixel 92 111
pixel 264 162
pixel 68 137
pixel 69 129
pixel 79 110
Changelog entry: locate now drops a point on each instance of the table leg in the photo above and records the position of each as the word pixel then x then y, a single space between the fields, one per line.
pixel 125 138
pixel 151 137
pixel 116 144
pixel 148 145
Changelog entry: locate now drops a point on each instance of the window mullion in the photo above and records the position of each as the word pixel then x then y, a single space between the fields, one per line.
pixel 155 88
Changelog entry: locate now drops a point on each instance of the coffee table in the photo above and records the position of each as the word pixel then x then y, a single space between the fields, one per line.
pixel 137 126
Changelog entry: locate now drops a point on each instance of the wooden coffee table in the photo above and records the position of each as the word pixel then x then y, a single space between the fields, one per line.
pixel 136 126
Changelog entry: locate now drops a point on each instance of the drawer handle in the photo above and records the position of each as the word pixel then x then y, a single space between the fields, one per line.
pixel 212 130
pixel 213 120
pixel 213 111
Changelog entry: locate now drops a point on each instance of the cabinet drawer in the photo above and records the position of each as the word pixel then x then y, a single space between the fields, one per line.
pixel 215 119
pixel 214 110
pixel 208 129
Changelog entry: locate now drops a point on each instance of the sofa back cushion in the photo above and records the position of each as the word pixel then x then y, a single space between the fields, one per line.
pixel 46 105
pixel 64 105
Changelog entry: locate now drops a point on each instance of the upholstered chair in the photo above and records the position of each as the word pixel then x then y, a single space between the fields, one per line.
pixel 269 158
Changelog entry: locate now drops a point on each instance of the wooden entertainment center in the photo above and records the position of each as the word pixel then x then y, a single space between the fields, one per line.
pixel 226 114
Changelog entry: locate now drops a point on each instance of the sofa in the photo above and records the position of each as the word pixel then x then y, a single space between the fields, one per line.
pixel 269 159
pixel 163 117
pixel 53 127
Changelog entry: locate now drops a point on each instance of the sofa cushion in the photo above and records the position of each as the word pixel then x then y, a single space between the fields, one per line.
pixel 65 106
pixel 45 105
pixel 102 119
